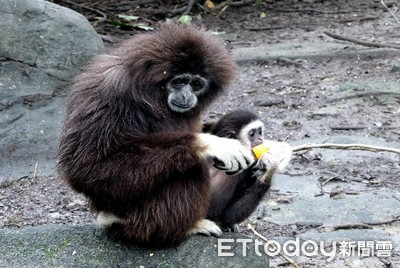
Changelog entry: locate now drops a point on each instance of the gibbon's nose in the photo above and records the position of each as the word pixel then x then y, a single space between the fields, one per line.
pixel 258 139
pixel 185 94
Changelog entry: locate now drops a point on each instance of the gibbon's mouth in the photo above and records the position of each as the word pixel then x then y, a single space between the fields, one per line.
pixel 179 107
pixel 182 107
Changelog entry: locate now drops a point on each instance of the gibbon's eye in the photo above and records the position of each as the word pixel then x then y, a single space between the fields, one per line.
pixel 179 82
pixel 252 133
pixel 260 131
pixel 197 84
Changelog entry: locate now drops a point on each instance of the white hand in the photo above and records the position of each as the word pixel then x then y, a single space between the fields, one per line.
pixel 280 152
pixel 228 154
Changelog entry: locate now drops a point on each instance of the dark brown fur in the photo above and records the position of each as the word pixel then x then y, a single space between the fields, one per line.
pixel 126 151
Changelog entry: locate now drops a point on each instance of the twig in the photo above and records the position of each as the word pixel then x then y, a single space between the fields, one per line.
pixel 232 3
pixel 249 226
pixel 351 146
pixel 361 127
pixel 266 28
pixel 347 127
pixel 392 13
pixel 312 11
pixel 141 2
pixel 359 42
pixel 88 8
pixel 287 137
pixel 358 18
pixel 322 191
pixel 331 179
pixel 35 171
pixel 189 7
pixel 179 10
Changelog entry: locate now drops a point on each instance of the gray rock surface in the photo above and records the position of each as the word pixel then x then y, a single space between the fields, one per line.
pixel 86 246
pixel 396 67
pixel 287 51
pixel 353 213
pixel 42 46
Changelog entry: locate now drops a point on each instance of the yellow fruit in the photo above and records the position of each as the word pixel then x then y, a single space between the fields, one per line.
pixel 259 150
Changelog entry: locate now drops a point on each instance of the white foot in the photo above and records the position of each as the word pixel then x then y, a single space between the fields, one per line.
pixel 206 227
pixel 105 219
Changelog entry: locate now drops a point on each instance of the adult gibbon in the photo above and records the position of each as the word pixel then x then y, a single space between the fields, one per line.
pixel 132 140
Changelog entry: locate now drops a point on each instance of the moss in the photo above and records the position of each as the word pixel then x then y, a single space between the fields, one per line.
pixel 54 250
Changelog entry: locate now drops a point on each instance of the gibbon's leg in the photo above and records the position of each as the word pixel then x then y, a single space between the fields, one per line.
pixel 247 196
pixel 168 213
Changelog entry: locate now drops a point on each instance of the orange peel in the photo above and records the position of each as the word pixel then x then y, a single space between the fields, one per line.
pixel 259 150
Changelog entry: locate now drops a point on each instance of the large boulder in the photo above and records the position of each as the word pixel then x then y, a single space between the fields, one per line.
pixel 42 46
pixel 86 246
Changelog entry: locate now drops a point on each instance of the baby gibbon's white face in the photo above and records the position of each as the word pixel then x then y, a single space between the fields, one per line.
pixel 252 134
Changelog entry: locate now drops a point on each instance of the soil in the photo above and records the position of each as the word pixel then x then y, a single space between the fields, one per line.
pixel 293 97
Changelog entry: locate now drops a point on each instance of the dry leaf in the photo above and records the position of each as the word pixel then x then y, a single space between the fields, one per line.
pixel 209 4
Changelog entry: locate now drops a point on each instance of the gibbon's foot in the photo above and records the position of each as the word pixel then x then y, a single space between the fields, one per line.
pixel 206 227
pixel 106 219
pixel 228 154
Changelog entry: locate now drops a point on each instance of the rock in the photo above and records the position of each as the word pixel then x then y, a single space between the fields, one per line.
pixel 42 46
pixel 312 51
pixel 86 246
pixel 396 67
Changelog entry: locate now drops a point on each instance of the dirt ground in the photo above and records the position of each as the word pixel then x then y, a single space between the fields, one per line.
pixel 293 97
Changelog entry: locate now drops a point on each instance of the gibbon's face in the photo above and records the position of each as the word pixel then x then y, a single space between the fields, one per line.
pixel 252 134
pixel 184 90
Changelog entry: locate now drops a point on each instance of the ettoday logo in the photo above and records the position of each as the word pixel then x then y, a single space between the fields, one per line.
pixel 308 248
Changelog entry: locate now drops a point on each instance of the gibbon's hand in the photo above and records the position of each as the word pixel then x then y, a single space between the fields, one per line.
pixel 279 152
pixel 268 162
pixel 228 154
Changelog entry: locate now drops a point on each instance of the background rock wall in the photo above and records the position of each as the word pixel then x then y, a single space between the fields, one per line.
pixel 42 46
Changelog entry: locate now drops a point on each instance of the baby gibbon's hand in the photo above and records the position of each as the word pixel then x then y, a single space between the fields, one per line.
pixel 280 152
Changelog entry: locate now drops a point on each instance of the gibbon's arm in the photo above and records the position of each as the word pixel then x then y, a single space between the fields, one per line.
pixel 154 159
pixel 186 149
pixel 133 167
pixel 228 154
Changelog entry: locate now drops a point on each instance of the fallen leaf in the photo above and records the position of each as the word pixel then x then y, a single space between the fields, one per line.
pixel 209 4
pixel 185 19
pixel 128 17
